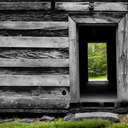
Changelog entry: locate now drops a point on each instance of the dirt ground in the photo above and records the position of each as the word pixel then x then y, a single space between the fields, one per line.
pixel 124 118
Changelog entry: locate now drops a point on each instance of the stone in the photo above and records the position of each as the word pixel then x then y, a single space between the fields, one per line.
pixel 26 120
pixel 47 118
pixel 97 115
pixel 69 117
pixel 7 120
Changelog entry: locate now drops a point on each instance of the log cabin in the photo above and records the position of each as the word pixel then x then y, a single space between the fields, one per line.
pixel 43 60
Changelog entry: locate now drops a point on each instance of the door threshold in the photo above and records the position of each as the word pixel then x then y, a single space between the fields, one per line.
pixel 94 98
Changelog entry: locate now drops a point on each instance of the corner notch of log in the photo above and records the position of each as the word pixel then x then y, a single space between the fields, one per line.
pixel 91 5
pixel 52 4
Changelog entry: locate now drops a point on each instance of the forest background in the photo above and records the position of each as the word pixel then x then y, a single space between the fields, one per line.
pixel 97 61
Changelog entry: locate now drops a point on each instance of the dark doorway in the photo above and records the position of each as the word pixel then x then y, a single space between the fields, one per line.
pixel 97 90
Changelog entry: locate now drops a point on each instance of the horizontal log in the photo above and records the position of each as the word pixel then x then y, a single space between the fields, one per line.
pixel 19 97
pixel 111 14
pixel 34 80
pixel 72 6
pixel 29 111
pixel 88 0
pixel 34 97
pixel 84 6
pixel 110 6
pixel 96 20
pixel 35 32
pixel 41 91
pixel 64 0
pixel 34 42
pixel 34 70
pixel 40 94
pixel 30 53
pixel 104 18
pixel 25 5
pixel 33 102
pixel 33 16
pixel 23 25
pixel 24 0
pixel 34 63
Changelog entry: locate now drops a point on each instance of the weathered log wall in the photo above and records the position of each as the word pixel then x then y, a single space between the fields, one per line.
pixel 34 57
pixel 34 49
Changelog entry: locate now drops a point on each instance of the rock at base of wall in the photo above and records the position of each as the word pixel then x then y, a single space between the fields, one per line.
pixel 69 117
pixel 94 115
pixel 26 120
pixel 47 118
pixel 7 120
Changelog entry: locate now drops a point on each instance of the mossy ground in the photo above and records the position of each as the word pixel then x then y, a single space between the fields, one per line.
pixel 60 123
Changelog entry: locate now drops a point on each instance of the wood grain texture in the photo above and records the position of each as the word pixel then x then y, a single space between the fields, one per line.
pixel 34 70
pixel 42 91
pixel 24 0
pixel 74 62
pixel 72 6
pixel 33 16
pixel 34 97
pixel 34 42
pixel 119 44
pixel 35 32
pixel 34 80
pixel 93 0
pixel 110 6
pixel 122 59
pixel 33 110
pixel 95 18
pixel 22 28
pixel 84 6
pixel 25 5
pixel 34 53
pixel 34 63
pixel 33 102
pixel 39 92
pixel 30 25
pixel 107 17
pixel 64 0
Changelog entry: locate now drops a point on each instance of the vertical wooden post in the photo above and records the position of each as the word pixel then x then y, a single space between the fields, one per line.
pixel 122 59
pixel 74 62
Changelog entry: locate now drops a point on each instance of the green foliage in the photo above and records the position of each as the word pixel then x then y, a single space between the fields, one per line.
pixel 97 59
pixel 59 124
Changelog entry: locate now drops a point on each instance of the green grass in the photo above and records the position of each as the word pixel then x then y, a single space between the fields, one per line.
pixel 98 78
pixel 62 124
pixel 119 125
pixel 59 124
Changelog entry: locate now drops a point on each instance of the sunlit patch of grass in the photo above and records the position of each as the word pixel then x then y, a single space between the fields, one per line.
pixel 98 78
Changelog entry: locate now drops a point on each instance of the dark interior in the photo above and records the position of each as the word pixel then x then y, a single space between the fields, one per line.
pixel 97 34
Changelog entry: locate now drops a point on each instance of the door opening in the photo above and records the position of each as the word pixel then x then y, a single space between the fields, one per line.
pixel 97 61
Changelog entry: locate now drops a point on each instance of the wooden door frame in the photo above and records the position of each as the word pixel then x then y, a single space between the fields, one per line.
pixel 121 49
